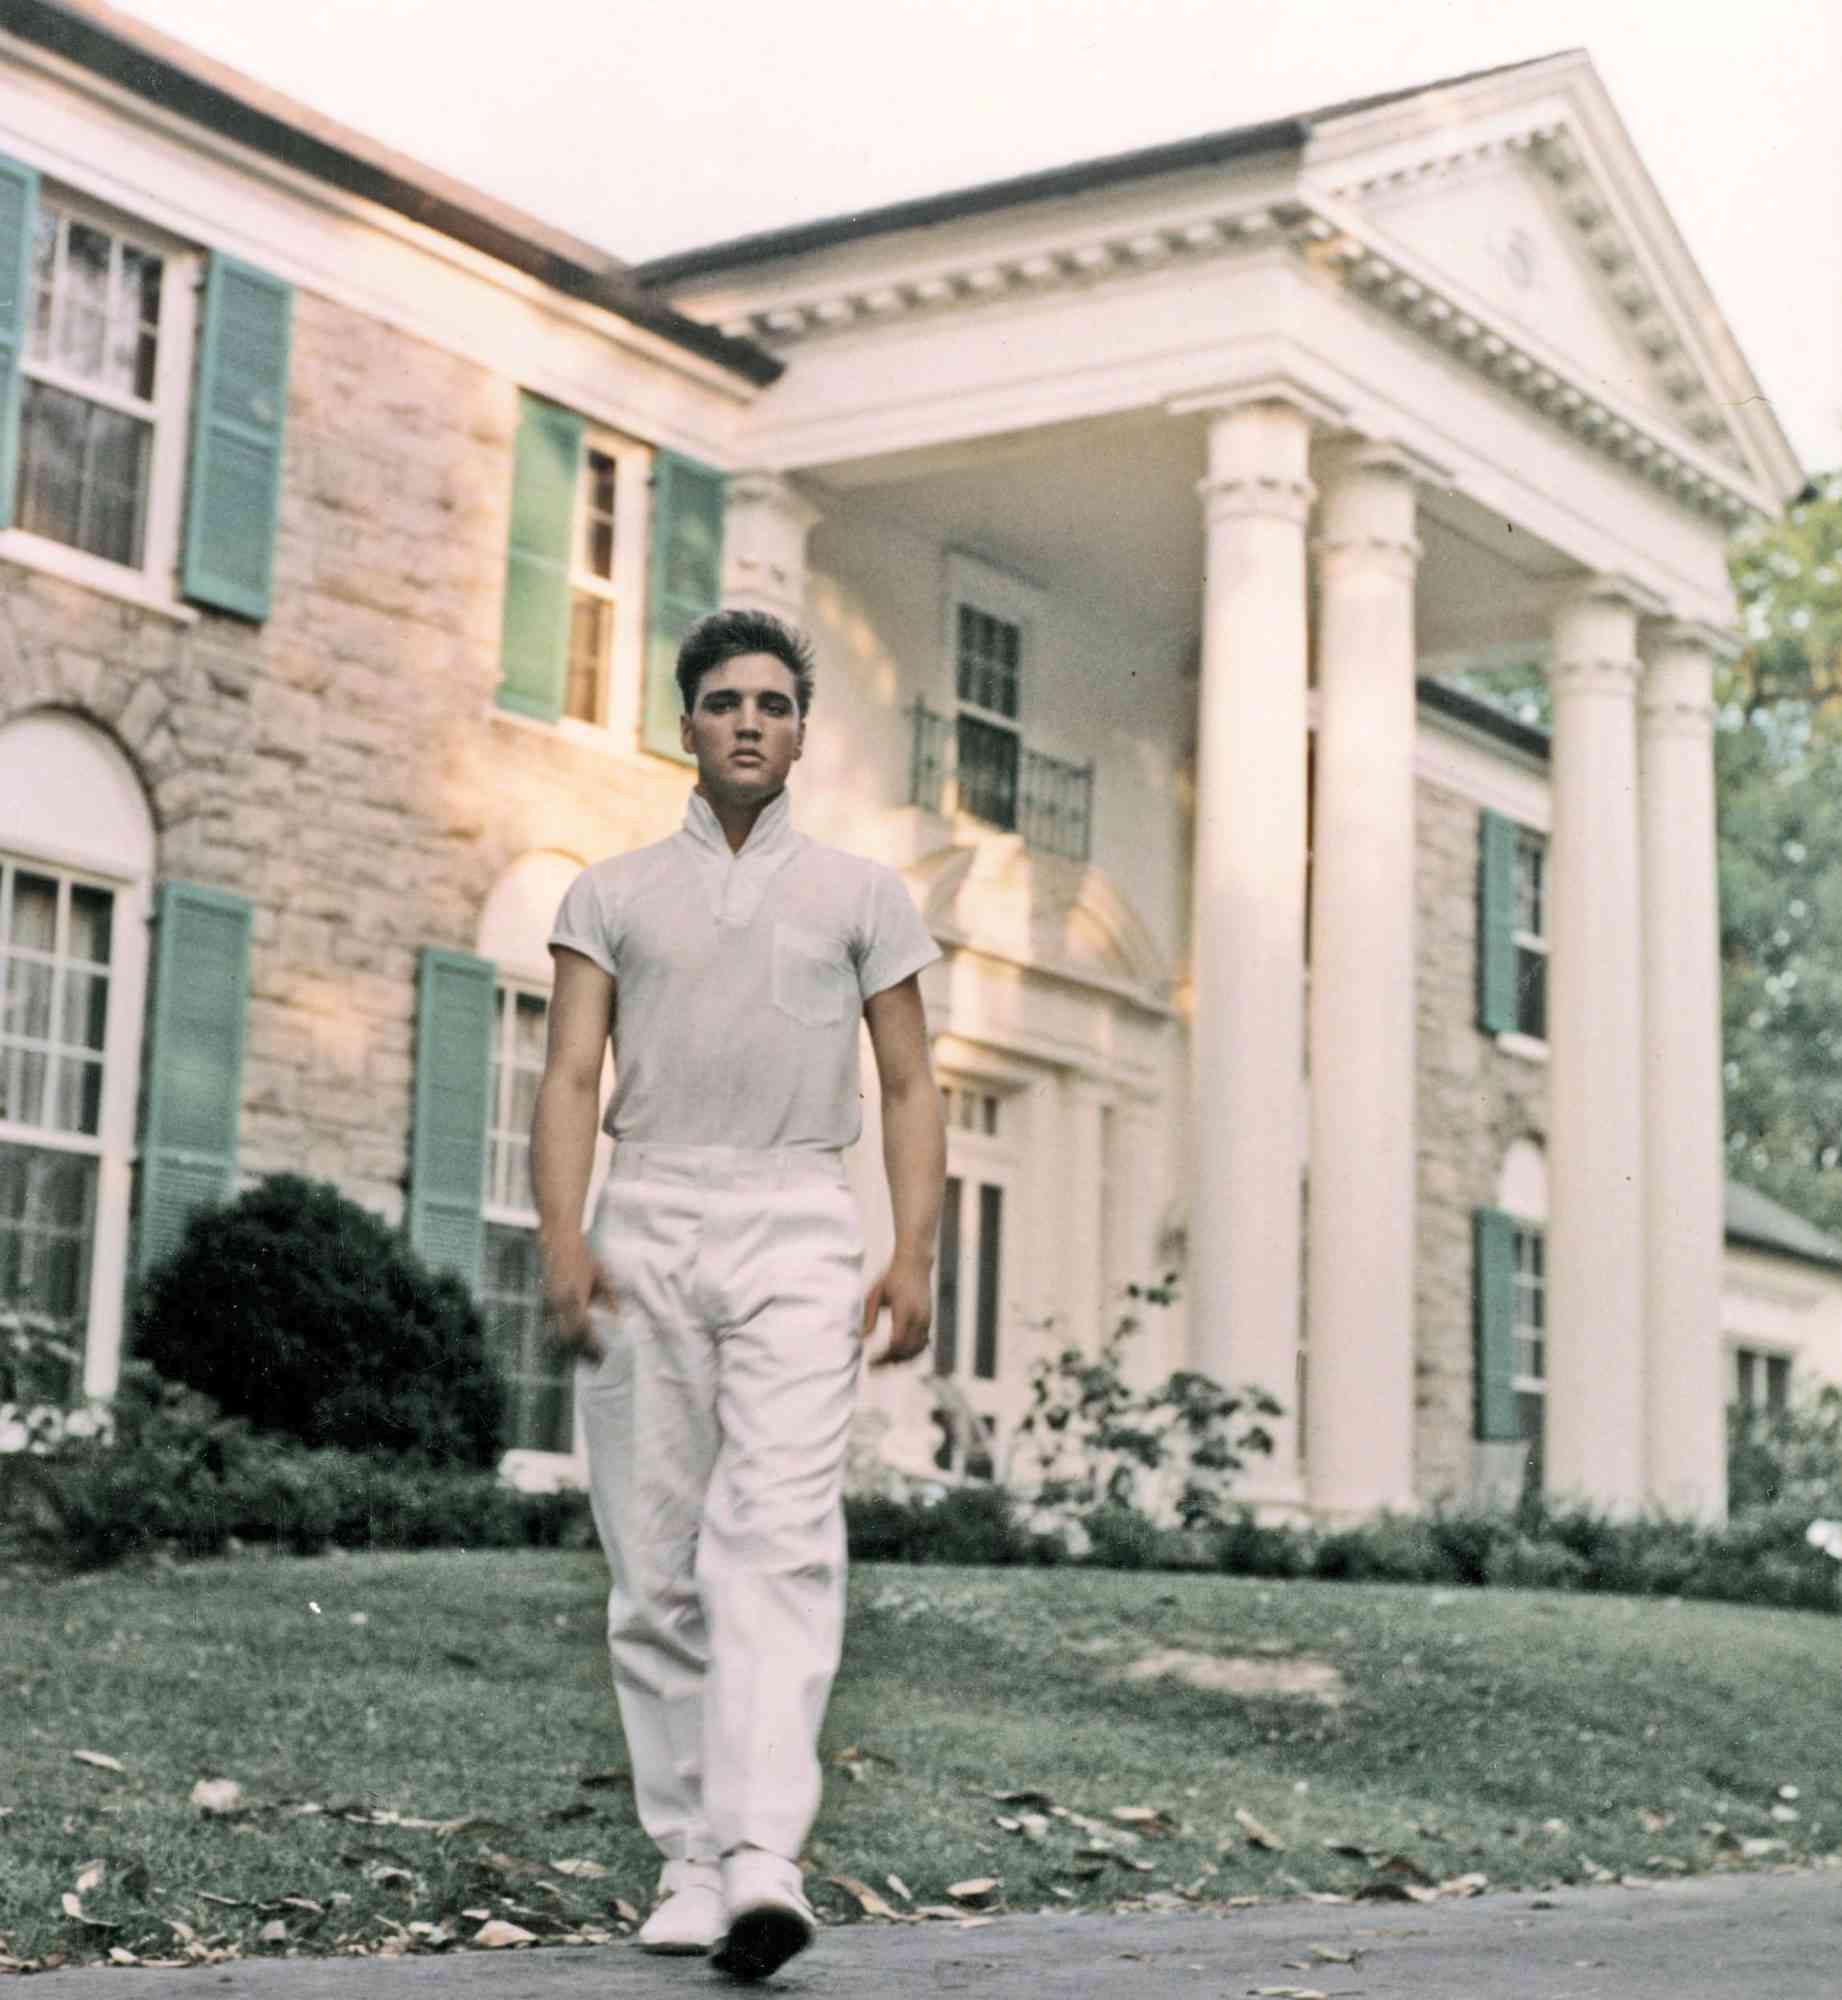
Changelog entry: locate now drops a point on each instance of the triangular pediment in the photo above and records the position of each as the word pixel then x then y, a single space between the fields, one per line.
pixel 1526 233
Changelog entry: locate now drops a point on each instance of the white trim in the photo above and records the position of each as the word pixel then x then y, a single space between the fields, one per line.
pixel 150 583
pixel 623 670
pixel 209 190
pixel 107 579
pixel 1483 770
pixel 1528 1047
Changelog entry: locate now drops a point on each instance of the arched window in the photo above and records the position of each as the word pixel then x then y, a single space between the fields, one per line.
pixel 514 932
pixel 75 891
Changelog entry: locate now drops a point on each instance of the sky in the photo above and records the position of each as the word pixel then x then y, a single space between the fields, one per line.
pixel 647 128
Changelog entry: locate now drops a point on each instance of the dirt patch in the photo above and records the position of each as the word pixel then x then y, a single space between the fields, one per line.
pixel 1235 1673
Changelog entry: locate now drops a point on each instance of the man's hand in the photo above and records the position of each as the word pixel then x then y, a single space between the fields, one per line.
pixel 577 1285
pixel 905 1288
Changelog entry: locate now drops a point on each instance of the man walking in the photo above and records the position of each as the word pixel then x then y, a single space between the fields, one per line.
pixel 717 1303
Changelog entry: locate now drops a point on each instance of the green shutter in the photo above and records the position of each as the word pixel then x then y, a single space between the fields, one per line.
pixel 241 402
pixel 447 1171
pixel 194 1062
pixel 18 217
pixel 1493 1281
pixel 1496 924
pixel 534 633
pixel 685 584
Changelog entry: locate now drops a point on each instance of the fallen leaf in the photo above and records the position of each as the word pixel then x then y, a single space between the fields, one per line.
pixel 1290 1993
pixel 90 1877
pixel 273 1932
pixel 1757 1850
pixel 120 1956
pixel 1348 1849
pixel 624 1911
pixel 1653 1820
pixel 97 1760
pixel 1006 1824
pixel 217 1795
pixel 1465 1885
pixel 73 1909
pixel 976 1889
pixel 1257 1835
pixel 1152 1818
pixel 498 1935
pixel 975 1923
pixel 867 1900
pixel 1786 1815
pixel 1787 1791
pixel 900 1887
pixel 582 1871
pixel 1327 1954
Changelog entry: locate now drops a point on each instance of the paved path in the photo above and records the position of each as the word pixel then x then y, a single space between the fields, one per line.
pixel 1753 1937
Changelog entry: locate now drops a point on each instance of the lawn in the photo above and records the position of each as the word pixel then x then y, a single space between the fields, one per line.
pixel 1428 1736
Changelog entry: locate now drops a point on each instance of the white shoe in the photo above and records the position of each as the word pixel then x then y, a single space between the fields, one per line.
pixel 688 1918
pixel 769 1917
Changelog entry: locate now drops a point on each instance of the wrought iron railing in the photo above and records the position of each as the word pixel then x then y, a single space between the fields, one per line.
pixel 985 770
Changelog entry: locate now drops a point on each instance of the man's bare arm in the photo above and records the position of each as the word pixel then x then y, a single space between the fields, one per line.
pixel 914 1158
pixel 563 1145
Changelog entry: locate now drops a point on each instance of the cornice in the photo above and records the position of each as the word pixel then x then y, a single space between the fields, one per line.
pixel 1334 240
pixel 1560 153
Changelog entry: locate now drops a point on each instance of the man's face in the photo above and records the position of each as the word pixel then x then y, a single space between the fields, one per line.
pixel 745 731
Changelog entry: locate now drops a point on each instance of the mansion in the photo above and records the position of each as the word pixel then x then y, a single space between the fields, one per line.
pixel 1147 515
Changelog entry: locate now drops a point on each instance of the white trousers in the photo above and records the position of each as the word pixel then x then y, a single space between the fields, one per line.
pixel 716 1428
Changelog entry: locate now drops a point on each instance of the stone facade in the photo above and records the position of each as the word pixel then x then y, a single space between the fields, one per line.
pixel 1474 1099
pixel 341 765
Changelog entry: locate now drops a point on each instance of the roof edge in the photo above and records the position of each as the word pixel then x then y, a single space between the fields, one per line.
pixel 147 64
pixel 1482 716
pixel 1280 135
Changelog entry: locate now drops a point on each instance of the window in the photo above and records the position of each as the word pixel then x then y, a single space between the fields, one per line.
pixel 1762 1380
pixel 989 662
pixel 56 963
pixel 540 1413
pixel 1531 935
pixel 105 361
pixel 970 1268
pixel 605 576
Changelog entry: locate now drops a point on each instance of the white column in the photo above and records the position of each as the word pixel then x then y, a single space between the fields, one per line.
pixel 1595 1262
pixel 1359 1285
pixel 1683 1170
pixel 766 522
pixel 1247 923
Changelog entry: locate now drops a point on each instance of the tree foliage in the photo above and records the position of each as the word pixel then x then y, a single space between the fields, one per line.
pixel 1778 763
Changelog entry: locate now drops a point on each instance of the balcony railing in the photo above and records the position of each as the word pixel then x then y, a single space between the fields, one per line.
pixel 985 770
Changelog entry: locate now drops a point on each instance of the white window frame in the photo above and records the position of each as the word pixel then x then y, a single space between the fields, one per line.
pixel 1750 1356
pixel 979 1158
pixel 977 585
pixel 155 582
pixel 623 670
pixel 1530 842
pixel 112 1145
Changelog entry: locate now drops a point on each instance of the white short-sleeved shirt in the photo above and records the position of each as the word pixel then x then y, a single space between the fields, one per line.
pixel 740 979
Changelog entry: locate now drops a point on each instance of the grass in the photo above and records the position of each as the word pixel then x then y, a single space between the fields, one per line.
pixel 1528 1737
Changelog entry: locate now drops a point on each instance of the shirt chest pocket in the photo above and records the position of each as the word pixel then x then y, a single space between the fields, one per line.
pixel 810 976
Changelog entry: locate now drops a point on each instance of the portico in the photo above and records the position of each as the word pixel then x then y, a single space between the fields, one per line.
pixel 1246 439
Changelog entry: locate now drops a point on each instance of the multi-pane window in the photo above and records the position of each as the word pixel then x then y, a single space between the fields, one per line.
pixel 969 1110
pixel 1531 935
pixel 1529 1335
pixel 56 957
pixel 540 1405
pixel 1762 1380
pixel 90 396
pixel 592 588
pixel 605 587
pixel 988 671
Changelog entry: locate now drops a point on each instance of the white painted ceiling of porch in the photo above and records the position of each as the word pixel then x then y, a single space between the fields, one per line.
pixel 1106 514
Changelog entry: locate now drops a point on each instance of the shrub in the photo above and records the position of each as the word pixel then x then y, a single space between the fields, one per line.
pixel 967 1524
pixel 177 1475
pixel 299 1310
pixel 1390 1549
pixel 1787 1455
pixel 1090 1441
pixel 1244 1547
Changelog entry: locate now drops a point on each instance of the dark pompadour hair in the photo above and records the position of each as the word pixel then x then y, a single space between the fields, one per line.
pixel 727 635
